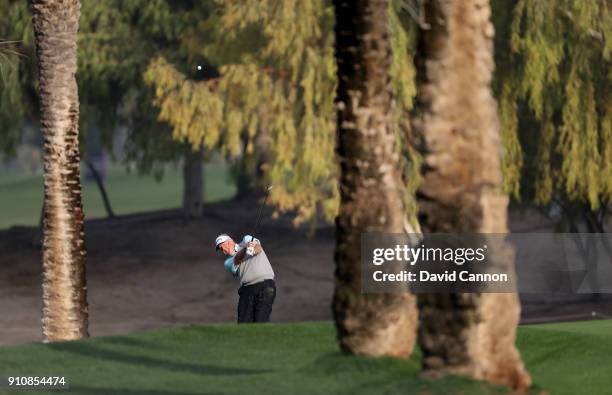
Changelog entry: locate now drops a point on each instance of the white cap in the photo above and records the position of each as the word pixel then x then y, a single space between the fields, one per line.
pixel 222 238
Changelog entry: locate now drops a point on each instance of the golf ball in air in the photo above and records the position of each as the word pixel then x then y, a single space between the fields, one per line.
pixel 199 67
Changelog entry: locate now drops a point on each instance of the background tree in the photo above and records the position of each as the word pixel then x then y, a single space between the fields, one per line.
pixel 18 96
pixel 464 333
pixel 275 87
pixel 371 187
pixel 116 42
pixel 554 91
pixel 119 40
pixel 65 312
pixel 553 88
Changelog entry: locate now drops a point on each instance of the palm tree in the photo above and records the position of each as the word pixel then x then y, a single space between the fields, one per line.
pixel 65 312
pixel 370 183
pixel 472 334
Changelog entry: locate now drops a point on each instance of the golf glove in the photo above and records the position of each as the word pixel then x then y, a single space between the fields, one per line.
pixel 245 241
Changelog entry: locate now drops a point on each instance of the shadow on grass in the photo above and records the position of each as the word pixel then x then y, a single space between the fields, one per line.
pixel 127 341
pixel 340 362
pixel 91 351
pixel 390 375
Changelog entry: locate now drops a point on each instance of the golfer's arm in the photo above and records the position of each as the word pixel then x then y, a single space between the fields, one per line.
pixel 239 257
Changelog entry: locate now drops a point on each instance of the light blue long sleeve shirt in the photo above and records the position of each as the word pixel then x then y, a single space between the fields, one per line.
pixel 229 263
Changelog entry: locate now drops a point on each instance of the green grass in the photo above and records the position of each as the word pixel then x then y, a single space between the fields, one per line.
pixel 21 195
pixel 294 359
pixel 569 358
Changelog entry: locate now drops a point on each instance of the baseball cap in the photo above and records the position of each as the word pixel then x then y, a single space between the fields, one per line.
pixel 222 238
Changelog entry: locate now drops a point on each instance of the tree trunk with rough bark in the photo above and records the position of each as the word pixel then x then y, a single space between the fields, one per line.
pixel 470 334
pixel 65 311
pixel 193 185
pixel 370 182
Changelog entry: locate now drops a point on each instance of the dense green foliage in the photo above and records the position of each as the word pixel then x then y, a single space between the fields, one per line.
pixel 16 86
pixel 265 96
pixel 116 41
pixel 569 358
pixel 277 82
pixel 553 83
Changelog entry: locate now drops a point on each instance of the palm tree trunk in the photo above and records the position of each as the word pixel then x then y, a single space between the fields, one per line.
pixel 370 182
pixel 471 334
pixel 65 312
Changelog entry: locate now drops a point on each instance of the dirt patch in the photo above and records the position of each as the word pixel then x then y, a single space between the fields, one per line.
pixel 158 270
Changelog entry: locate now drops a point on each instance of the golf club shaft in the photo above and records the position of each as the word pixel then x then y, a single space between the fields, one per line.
pixel 260 211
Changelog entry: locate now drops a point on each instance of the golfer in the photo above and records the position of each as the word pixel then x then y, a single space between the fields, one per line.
pixel 249 262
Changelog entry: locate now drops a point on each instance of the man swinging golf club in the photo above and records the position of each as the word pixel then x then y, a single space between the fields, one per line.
pixel 249 262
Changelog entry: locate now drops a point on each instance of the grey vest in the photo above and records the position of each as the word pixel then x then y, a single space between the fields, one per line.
pixel 255 269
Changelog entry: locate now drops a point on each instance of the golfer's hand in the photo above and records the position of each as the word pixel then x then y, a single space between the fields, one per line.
pixel 256 247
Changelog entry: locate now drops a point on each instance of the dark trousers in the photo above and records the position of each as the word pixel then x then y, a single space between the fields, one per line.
pixel 255 304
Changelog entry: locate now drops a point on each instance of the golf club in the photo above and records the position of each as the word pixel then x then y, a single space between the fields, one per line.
pixel 261 210
pixel 250 249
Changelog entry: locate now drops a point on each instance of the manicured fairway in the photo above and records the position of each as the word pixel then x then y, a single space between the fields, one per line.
pixel 569 358
pixel 300 358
